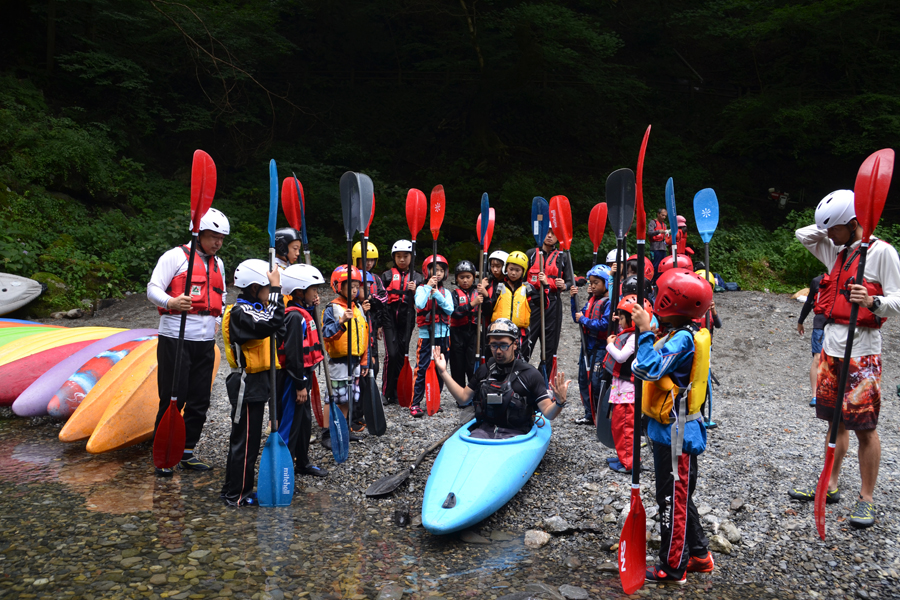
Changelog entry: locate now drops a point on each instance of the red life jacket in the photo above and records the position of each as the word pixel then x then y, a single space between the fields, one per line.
pixel 464 298
pixel 207 289
pixel 312 344
pixel 620 370
pixel 551 270
pixel 833 299
pixel 397 288
pixel 423 316
pixel 659 231
pixel 594 312
pixel 680 240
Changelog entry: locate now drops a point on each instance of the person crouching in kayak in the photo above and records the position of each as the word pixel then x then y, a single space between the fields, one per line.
pixel 506 391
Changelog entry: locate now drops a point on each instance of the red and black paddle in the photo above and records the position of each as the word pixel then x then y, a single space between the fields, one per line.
pixel 436 214
pixel 633 539
pixel 168 444
pixel 416 213
pixel 870 192
pixel 561 222
pixel 484 228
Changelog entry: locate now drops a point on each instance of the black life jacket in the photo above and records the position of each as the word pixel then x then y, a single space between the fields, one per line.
pixel 497 403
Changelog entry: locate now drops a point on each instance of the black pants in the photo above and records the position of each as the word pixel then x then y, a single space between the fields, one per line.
pixel 552 325
pixel 679 522
pixel 397 332
pixel 301 424
pixel 243 450
pixel 462 353
pixel 194 383
pixel 424 359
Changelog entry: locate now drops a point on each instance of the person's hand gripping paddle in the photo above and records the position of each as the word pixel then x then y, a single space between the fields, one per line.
pixel 633 539
pixel 596 226
pixel 540 225
pixel 561 222
pixel 484 228
pixel 275 483
pixel 673 219
pixel 706 213
pixel 416 213
pixel 870 192
pixel 436 217
pixel 168 443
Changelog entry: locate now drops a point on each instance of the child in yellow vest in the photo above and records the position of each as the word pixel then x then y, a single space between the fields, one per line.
pixel 247 327
pixel 513 298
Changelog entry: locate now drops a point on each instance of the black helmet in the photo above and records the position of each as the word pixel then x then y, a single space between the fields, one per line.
pixel 630 286
pixel 503 328
pixel 465 266
pixel 283 239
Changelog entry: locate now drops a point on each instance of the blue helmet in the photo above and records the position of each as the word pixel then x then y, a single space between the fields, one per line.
pixel 601 271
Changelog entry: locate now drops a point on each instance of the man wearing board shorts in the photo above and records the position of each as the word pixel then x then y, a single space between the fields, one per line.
pixel 835 240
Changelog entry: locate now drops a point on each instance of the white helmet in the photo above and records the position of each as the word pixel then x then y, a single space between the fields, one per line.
pixel 401 246
pixel 214 220
pixel 251 271
pixel 300 277
pixel 499 255
pixel 837 208
pixel 611 257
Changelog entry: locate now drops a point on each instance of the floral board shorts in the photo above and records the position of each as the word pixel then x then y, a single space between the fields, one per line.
pixel 862 396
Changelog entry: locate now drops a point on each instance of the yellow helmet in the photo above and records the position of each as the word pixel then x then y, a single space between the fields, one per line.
pixel 707 276
pixel 517 257
pixel 371 251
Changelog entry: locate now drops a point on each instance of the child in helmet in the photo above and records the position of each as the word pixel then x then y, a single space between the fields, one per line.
pixel 463 323
pixel 593 319
pixel 513 298
pixel 287 247
pixel 680 237
pixel 247 326
pixel 619 356
pixel 400 283
pixel 301 351
pixel 675 371
pixel 489 285
pixel 342 320
pixel 432 293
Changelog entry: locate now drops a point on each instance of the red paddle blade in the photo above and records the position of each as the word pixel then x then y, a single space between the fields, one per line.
pixel 405 385
pixel 490 230
pixel 371 216
pixel 633 545
pixel 597 224
pixel 203 187
pixel 553 370
pixel 822 490
pixel 168 445
pixel 478 226
pixel 316 399
pixel 438 205
pixel 639 190
pixel 416 211
pixel 432 391
pixel 872 183
pixel 561 220
pixel 290 202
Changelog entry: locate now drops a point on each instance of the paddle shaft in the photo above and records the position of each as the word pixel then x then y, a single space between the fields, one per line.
pixel 571 272
pixel 478 317
pixel 540 258
pixel 195 240
pixel 639 387
pixel 273 401
pixel 350 326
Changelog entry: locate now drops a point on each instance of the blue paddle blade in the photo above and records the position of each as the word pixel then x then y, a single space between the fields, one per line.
pixel 670 206
pixel 340 434
pixel 273 201
pixel 540 220
pixel 286 418
pixel 485 218
pixel 275 485
pixel 706 212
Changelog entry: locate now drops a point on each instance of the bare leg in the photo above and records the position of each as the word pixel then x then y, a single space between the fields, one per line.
pixel 840 449
pixel 869 461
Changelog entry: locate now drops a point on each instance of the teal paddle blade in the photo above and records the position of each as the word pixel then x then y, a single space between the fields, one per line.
pixel 340 434
pixel 275 484
pixel 273 201
pixel 706 213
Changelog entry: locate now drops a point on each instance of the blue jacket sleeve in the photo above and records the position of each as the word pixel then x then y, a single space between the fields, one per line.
pixel 423 292
pixel 330 326
pixel 445 302
pixel 651 365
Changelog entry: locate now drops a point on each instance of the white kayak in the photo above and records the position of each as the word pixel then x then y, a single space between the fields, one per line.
pixel 16 292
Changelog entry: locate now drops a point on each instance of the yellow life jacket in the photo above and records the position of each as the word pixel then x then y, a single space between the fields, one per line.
pixel 659 396
pixel 513 306
pixel 337 346
pixel 252 357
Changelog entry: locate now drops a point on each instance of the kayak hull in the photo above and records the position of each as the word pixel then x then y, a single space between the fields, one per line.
pixel 51 339
pixel 15 377
pixel 482 475
pixel 16 292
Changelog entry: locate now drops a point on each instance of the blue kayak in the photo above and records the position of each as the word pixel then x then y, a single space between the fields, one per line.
pixel 471 478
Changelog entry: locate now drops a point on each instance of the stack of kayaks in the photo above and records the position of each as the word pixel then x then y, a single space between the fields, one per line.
pixel 472 478
pixel 16 292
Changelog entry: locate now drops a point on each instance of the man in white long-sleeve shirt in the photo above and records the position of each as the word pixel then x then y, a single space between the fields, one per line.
pixel 835 240
pixel 167 289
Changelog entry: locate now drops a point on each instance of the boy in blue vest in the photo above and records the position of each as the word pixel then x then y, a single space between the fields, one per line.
pixel 593 319
pixel 432 292
pixel 674 425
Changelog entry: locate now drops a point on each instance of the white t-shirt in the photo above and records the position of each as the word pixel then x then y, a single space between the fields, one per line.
pixel 882 266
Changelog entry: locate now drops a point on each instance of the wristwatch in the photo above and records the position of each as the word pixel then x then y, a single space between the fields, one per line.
pixel 557 402
pixel 876 303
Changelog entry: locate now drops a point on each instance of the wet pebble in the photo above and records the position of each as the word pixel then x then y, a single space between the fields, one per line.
pixel 573 593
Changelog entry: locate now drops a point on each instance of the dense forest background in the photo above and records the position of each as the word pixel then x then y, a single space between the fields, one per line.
pixel 102 103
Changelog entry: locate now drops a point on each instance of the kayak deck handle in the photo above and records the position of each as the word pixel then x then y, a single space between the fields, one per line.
pixel 450 502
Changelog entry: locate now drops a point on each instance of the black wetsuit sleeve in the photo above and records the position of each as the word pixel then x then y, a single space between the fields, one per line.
pixel 253 322
pixel 295 325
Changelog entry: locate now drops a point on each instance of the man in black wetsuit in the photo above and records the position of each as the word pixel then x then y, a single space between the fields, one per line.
pixel 506 392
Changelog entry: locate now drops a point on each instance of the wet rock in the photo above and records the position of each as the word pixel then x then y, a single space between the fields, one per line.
pixel 556 524
pixel 470 537
pixel 390 592
pixel 704 510
pixel 58 315
pixel 543 588
pixel 158 579
pixel 730 531
pixel 75 313
pixel 401 517
pixel 720 544
pixel 535 538
pixel 198 554
pixel 608 567
pixel 572 562
pixel 130 562
pixel 573 593
pixel 737 504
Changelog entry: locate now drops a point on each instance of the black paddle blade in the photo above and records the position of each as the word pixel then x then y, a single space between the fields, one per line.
pixel 350 203
pixel 620 201
pixel 366 200
pixel 372 408
pixel 388 484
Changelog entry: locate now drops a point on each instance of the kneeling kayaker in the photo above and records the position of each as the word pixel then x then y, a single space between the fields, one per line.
pixel 506 391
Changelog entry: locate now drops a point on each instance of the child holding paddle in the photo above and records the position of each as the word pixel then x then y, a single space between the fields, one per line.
pixel 675 372
pixel 433 292
pixel 400 283
pixel 463 323
pixel 247 326
pixel 513 298
pixel 593 320
pixel 489 288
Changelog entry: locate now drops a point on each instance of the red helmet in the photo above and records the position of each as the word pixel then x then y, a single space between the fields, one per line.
pixel 682 292
pixel 628 302
pixel 440 260
pixel 669 263
pixel 339 276
pixel 648 266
